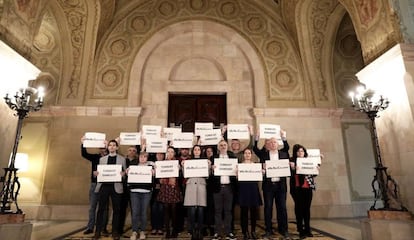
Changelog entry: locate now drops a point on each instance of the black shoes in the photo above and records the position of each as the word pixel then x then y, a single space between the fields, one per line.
pixel 88 231
pixel 246 236
pixel 303 235
pixel 268 234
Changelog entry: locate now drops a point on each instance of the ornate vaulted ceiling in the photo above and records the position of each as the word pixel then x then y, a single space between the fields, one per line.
pixel 86 48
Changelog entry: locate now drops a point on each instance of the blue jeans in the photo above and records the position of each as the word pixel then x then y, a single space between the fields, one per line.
pixel 139 206
pixel 275 191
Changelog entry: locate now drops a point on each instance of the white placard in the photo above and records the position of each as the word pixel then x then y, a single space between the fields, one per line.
pixel 210 137
pixel 307 166
pixel 169 132
pixel 277 168
pixel 151 131
pixel 94 140
pixel 314 153
pixel 166 169
pixel 109 173
pixel 183 140
pixel 225 166
pixel 140 174
pixel 249 172
pixel 195 168
pixel 200 127
pixel 268 131
pixel 130 138
pixel 155 145
pixel 238 131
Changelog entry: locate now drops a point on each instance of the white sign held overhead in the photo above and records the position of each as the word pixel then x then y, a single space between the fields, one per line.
pixel 200 127
pixel 183 140
pixel 156 145
pixel 130 138
pixel 151 131
pixel 94 140
pixel 238 131
pixel 268 131
pixel 210 137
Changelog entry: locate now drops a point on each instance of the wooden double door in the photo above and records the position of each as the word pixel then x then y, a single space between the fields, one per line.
pixel 184 110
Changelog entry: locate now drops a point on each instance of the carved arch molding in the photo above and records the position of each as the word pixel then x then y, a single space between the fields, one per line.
pixel 265 33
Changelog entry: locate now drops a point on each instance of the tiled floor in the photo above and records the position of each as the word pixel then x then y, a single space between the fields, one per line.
pixel 51 230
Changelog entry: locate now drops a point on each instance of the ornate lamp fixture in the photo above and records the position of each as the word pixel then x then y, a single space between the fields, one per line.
pixel 23 103
pixel 383 185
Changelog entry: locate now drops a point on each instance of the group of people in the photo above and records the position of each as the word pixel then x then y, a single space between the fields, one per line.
pixel 209 201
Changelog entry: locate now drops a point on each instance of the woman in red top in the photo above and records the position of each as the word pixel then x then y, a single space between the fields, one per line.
pixel 301 187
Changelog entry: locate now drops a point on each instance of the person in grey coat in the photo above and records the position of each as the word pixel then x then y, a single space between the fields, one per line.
pixel 111 190
pixel 195 199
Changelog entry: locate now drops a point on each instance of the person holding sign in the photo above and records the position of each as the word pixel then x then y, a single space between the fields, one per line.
pixel 110 189
pixel 140 192
pixel 274 188
pixel 170 195
pixel 249 200
pixel 93 197
pixel 224 188
pixel 235 144
pixel 301 190
pixel 195 198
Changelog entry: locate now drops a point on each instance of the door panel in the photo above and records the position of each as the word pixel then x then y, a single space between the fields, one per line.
pixel 185 110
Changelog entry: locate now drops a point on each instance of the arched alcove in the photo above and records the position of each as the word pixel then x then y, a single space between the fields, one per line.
pixel 167 60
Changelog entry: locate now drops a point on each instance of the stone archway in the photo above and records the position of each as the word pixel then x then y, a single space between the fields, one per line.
pixel 196 57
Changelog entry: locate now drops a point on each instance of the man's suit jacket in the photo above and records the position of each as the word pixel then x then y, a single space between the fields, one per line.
pixel 120 160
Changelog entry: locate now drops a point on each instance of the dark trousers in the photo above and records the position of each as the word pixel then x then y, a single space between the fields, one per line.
pixel 275 191
pixel 209 212
pixel 303 200
pixel 195 218
pixel 223 202
pixel 244 218
pixel 125 201
pixel 108 191
pixel 170 218
pixel 157 215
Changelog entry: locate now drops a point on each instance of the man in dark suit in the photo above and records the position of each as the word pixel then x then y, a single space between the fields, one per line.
pixel 274 189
